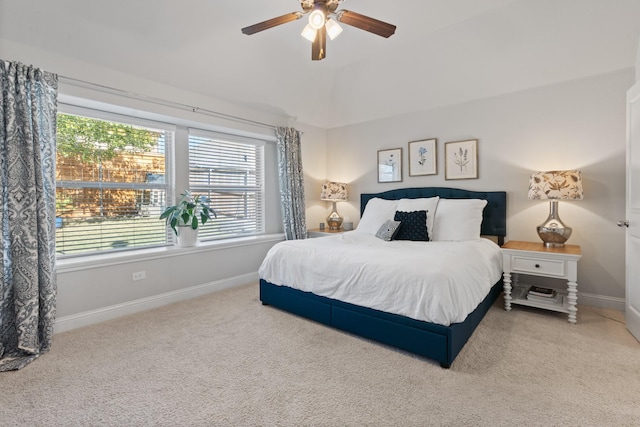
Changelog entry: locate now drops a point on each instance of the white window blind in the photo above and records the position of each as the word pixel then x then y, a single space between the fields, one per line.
pixel 111 184
pixel 228 170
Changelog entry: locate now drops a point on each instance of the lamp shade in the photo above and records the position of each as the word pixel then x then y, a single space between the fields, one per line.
pixel 333 29
pixel 334 191
pixel 556 185
pixel 309 33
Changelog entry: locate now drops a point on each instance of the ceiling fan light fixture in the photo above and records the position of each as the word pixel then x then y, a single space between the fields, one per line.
pixel 333 28
pixel 323 22
pixel 317 18
pixel 309 33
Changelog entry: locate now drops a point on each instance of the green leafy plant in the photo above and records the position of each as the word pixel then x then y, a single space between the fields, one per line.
pixel 190 210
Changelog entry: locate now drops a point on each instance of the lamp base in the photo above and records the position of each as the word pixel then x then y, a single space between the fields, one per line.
pixel 334 220
pixel 553 232
pixel 334 224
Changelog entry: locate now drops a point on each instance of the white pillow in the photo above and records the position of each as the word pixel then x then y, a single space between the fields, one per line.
pixel 458 219
pixel 429 204
pixel 377 212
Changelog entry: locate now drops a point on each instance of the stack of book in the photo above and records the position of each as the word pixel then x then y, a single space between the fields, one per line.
pixel 543 295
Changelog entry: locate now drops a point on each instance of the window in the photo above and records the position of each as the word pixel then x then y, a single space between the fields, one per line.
pixel 111 182
pixel 229 171
pixel 115 176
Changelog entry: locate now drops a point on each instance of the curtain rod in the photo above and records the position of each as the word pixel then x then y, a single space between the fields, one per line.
pixel 160 101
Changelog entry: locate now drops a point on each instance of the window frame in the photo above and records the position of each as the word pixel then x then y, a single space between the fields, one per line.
pixel 174 157
pixel 260 177
pixel 168 186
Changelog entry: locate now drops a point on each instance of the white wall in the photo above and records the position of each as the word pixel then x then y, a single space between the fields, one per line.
pixel 93 292
pixel 314 161
pixel 578 124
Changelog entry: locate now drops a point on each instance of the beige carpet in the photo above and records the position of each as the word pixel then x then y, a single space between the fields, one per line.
pixel 226 360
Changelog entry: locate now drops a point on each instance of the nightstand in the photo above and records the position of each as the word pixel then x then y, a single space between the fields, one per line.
pixel 316 232
pixel 535 259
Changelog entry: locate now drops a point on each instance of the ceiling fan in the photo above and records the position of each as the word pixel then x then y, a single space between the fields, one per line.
pixel 320 24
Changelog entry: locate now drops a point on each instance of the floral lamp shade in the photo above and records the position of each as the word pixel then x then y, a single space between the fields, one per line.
pixel 334 192
pixel 556 185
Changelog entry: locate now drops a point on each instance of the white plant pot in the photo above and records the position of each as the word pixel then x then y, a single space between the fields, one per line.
pixel 187 236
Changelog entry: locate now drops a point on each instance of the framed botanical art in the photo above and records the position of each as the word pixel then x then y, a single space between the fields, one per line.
pixel 423 157
pixel 390 165
pixel 461 159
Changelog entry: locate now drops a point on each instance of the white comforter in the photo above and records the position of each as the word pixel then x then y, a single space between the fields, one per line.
pixel 437 282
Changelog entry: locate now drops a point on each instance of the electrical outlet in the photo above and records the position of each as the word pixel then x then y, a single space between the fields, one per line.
pixel 138 275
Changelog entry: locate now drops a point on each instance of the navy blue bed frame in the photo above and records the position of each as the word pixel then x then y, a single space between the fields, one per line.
pixel 437 342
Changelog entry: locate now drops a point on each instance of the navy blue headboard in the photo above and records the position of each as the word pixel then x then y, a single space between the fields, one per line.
pixel 494 216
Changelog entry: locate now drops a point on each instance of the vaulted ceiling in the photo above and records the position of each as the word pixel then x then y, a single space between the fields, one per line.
pixel 444 51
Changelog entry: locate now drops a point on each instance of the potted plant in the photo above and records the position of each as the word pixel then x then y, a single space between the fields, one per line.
pixel 185 217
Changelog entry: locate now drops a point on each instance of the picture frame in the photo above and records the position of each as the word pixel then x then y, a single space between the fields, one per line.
pixel 423 157
pixel 390 165
pixel 461 159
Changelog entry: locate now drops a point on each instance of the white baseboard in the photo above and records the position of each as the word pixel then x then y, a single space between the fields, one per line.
pixel 67 323
pixel 601 301
pixel 73 321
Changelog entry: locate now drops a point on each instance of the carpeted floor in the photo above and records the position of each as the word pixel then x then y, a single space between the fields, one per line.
pixel 226 360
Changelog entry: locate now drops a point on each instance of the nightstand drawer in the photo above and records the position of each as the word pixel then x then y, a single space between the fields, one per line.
pixel 538 266
pixel 324 233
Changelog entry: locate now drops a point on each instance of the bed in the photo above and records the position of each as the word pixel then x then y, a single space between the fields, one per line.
pixel 438 338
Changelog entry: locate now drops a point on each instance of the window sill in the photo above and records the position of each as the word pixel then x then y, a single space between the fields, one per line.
pixel 104 260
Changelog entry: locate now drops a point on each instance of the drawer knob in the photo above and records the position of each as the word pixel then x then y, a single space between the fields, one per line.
pixel 537 265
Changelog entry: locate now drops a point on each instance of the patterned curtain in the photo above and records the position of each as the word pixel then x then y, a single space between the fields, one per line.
pixel 291 183
pixel 28 105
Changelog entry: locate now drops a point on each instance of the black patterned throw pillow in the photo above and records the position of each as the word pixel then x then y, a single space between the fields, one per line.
pixel 414 226
pixel 388 230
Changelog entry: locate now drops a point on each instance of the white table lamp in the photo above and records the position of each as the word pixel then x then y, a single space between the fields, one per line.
pixel 334 192
pixel 554 186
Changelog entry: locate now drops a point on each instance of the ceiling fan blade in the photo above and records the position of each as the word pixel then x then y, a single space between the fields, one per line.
pixel 270 23
pixel 365 23
pixel 319 46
